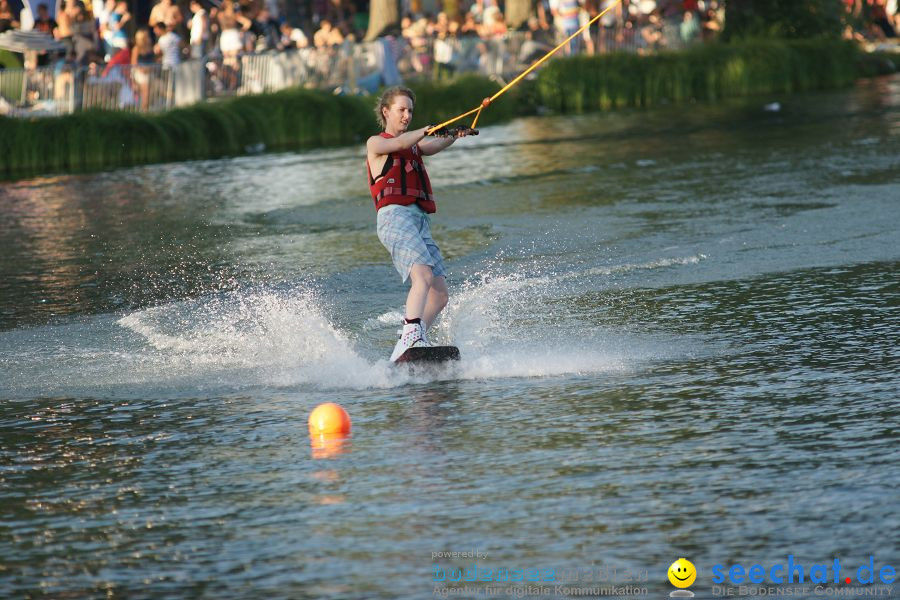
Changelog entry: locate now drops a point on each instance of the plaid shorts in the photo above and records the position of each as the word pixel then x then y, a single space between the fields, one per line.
pixel 406 233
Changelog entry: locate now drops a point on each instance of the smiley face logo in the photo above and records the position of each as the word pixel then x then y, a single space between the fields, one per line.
pixel 682 573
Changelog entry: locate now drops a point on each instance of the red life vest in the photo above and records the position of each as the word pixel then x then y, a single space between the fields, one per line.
pixel 402 181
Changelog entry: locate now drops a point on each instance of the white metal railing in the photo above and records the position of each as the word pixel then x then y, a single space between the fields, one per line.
pixel 135 88
pixel 56 90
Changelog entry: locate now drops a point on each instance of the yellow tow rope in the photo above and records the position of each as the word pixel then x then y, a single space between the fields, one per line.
pixel 484 103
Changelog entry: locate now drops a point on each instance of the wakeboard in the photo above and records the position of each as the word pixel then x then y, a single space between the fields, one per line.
pixel 429 354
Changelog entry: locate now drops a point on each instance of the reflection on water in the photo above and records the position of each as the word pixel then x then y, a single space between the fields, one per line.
pixel 678 334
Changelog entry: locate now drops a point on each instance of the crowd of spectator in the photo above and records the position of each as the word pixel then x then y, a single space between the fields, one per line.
pixel 637 25
pixel 105 30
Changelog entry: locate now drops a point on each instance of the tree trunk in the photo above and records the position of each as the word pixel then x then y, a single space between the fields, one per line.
pixel 517 12
pixel 382 15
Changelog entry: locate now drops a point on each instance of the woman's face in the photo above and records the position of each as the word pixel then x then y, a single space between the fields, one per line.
pixel 399 114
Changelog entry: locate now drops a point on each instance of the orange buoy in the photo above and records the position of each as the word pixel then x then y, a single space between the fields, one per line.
pixel 485 102
pixel 329 418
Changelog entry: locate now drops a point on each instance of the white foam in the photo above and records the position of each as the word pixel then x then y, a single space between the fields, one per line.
pixel 482 313
pixel 240 329
pixel 262 337
pixel 507 325
pixel 542 362
pixel 654 264
pixel 391 317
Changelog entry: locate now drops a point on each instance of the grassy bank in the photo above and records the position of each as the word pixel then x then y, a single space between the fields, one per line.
pixel 290 119
pixel 304 119
pixel 95 140
pixel 703 73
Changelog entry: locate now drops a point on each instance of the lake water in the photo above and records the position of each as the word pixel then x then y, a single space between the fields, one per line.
pixel 679 332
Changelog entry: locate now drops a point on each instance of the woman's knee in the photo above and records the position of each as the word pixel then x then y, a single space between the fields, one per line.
pixel 421 274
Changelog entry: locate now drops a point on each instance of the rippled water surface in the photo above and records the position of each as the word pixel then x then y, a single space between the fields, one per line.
pixel 679 331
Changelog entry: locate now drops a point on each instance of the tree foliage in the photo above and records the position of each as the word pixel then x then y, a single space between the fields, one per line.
pixel 789 19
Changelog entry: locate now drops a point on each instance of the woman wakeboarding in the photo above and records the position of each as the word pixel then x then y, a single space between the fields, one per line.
pixel 403 200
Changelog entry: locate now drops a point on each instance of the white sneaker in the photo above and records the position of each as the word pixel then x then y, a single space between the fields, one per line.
pixel 412 335
pixel 425 340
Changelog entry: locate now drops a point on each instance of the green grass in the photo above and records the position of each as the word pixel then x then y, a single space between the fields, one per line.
pixel 704 73
pixel 94 140
pixel 439 102
pixel 290 119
